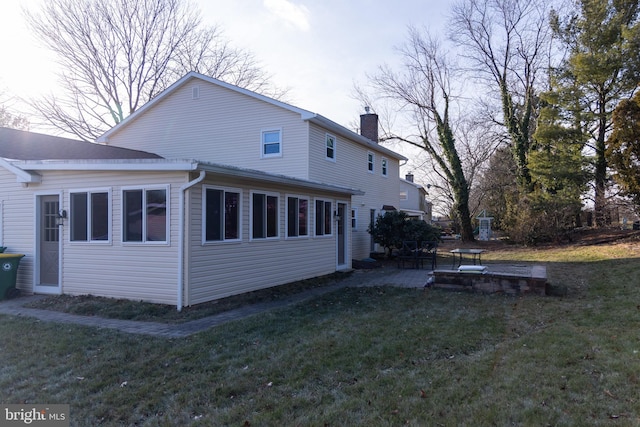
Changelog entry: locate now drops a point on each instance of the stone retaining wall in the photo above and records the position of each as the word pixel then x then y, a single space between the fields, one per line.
pixel 492 282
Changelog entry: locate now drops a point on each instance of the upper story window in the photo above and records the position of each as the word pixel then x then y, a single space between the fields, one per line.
pixel 221 213
pixel 145 215
pixel 297 216
pixel 264 215
pixel 330 142
pixel 271 143
pixel 404 195
pixel 384 167
pixel 90 216
pixel 370 162
pixel 323 218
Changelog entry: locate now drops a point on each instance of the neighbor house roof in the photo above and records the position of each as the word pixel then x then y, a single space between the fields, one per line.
pixel 23 145
pixel 304 114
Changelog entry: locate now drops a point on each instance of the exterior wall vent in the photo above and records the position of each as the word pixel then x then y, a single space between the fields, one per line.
pixel 195 92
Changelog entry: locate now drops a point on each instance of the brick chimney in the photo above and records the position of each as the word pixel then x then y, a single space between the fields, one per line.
pixel 369 125
pixel 409 177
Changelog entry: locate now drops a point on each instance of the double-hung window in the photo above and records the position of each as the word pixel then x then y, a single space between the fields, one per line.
pixel 145 214
pixel 90 216
pixel 323 218
pixel 330 143
pixel 271 143
pixel 221 213
pixel 264 215
pixel 384 167
pixel 354 218
pixel 297 216
pixel 370 162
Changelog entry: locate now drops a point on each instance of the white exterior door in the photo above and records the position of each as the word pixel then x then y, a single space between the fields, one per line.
pixel 48 245
pixel 341 236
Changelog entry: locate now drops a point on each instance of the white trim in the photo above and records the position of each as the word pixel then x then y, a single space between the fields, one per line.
pixel 204 214
pixel 37 229
pixel 345 230
pixel 315 217
pixel 371 160
pixel 354 217
pixel 178 166
pixel 108 165
pixel 264 131
pixel 22 176
pixel 144 189
pixel 182 252
pixel 286 216
pixel 90 191
pixel 278 213
pixel 327 136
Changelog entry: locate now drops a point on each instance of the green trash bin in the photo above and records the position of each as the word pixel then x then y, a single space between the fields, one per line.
pixel 8 273
pixel 2 249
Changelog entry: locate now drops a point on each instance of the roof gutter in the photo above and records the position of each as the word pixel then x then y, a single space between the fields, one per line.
pixel 181 243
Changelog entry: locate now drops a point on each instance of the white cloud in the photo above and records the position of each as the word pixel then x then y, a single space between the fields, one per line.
pixel 296 15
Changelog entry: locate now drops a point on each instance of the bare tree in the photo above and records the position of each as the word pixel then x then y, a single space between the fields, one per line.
pixel 423 90
pixel 9 117
pixel 506 44
pixel 116 55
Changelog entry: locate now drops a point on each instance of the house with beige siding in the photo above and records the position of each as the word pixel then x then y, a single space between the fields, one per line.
pixel 207 191
pixel 413 199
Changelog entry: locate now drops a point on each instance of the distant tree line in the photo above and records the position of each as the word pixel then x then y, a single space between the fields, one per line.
pixel 526 110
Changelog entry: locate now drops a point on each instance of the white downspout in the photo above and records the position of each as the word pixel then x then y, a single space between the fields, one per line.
pixel 181 245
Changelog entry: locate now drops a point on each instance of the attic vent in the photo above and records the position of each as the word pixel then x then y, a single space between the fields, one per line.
pixel 195 92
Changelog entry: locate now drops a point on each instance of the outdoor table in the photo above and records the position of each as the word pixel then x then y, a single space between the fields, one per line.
pixel 473 253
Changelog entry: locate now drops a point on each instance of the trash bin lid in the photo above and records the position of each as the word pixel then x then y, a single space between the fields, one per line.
pixel 4 256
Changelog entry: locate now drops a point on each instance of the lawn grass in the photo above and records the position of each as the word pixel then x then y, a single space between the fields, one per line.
pixel 363 356
pixel 116 308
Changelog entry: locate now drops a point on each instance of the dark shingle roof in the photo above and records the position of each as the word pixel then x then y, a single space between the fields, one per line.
pixel 22 145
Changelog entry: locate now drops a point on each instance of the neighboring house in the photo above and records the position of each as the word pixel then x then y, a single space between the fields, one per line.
pixel 413 199
pixel 207 191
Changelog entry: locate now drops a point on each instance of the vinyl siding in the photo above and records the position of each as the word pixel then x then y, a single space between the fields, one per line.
pixel 221 126
pixel 116 269
pixel 221 269
pixel 350 170
pixel 17 225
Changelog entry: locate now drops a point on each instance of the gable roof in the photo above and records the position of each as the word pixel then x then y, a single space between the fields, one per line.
pixel 305 115
pixel 23 145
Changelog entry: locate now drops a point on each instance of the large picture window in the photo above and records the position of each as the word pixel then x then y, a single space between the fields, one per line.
pixel 221 214
pixel 323 217
pixel 90 216
pixel 145 216
pixel 264 216
pixel 297 216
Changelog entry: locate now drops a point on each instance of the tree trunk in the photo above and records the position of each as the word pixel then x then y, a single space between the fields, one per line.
pixel 600 176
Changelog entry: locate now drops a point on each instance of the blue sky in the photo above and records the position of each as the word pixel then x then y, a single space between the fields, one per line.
pixel 318 49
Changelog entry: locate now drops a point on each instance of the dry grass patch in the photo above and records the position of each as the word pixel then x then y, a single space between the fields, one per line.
pixel 363 356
